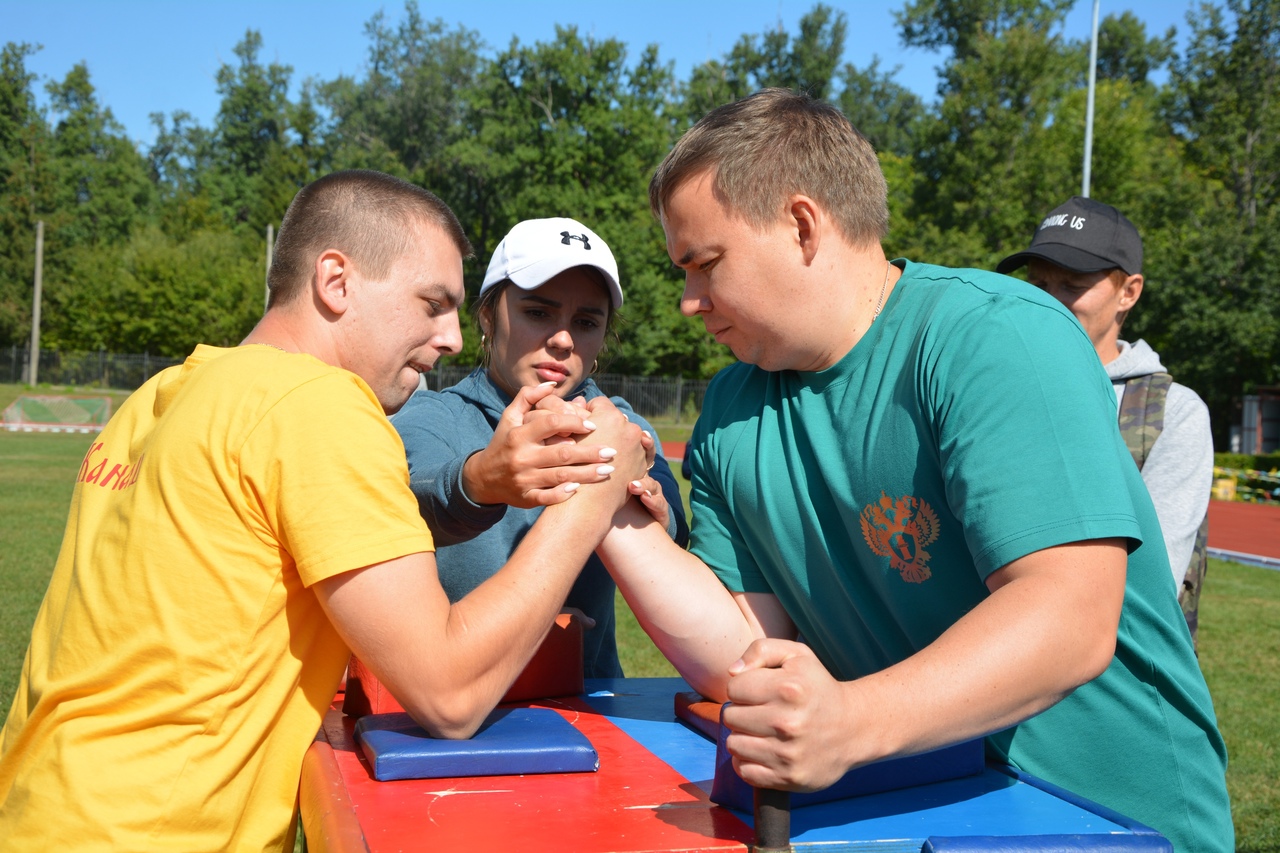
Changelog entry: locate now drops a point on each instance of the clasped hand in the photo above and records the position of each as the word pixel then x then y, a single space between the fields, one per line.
pixel 541 451
pixel 789 724
pixel 645 488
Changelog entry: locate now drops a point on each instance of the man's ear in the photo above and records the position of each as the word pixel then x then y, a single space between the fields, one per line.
pixel 806 217
pixel 1130 291
pixel 331 280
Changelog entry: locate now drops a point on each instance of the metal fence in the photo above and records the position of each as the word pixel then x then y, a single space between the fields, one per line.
pixel 101 369
pixel 669 398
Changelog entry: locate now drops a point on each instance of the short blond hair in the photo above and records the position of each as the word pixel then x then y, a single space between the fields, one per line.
pixel 774 144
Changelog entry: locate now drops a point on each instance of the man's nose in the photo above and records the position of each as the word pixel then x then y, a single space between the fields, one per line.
pixel 448 337
pixel 693 300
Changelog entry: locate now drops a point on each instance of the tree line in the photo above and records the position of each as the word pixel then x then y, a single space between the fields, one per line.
pixel 155 248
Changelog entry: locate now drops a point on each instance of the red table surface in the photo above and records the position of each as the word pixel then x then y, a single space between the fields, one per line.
pixel 634 803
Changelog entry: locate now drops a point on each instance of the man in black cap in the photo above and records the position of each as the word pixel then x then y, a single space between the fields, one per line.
pixel 1088 256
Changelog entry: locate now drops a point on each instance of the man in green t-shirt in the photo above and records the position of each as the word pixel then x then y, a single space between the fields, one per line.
pixel 891 474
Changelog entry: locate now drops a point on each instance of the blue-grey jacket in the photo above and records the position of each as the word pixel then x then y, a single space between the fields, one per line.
pixel 440 430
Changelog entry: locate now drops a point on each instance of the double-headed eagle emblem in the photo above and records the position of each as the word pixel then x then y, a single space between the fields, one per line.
pixel 900 530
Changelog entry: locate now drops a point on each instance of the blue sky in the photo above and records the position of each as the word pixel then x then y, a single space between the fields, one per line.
pixel 148 56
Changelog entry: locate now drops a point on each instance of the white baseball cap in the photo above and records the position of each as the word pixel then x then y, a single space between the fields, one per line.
pixel 537 250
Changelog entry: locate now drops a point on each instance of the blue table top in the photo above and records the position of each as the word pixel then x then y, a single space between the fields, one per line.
pixel 997 810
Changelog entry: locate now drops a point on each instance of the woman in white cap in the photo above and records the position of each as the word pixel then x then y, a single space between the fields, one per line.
pixel 544 310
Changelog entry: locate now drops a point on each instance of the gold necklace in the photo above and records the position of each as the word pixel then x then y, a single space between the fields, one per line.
pixel 883 286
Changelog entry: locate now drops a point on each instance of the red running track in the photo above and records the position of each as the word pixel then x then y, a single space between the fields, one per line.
pixel 1245 528
pixel 1242 527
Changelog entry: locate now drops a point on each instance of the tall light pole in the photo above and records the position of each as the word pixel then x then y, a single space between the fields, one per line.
pixel 271 247
pixel 34 371
pixel 1088 113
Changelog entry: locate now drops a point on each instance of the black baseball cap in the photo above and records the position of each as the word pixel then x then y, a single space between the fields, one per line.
pixel 1083 235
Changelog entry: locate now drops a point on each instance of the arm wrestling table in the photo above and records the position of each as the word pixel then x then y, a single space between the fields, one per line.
pixel 650 794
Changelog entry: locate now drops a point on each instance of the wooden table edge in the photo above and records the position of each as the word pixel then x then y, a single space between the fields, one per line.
pixel 329 822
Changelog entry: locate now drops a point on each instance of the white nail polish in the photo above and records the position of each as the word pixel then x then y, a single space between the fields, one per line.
pixel 607 453
pixel 571 487
pixel 588 425
pixel 604 470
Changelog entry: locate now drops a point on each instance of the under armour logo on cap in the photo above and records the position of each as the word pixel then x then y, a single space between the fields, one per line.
pixel 537 250
pixel 565 237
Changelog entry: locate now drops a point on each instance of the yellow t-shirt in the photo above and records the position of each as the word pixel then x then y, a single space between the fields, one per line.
pixel 179 665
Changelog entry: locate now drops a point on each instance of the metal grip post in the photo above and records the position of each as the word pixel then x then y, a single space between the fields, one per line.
pixel 773 820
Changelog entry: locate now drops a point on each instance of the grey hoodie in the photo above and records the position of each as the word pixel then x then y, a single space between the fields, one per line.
pixel 1179 468
pixel 440 430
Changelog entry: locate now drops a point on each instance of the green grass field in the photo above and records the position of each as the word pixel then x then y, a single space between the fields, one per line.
pixel 1240 623
pixel 36 475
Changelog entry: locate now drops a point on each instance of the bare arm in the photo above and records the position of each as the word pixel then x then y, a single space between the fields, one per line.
pixel 694 621
pixel 1048 627
pixel 448 665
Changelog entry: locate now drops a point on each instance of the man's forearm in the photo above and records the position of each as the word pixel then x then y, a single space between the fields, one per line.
pixel 449 664
pixel 1049 626
pixel 497 627
pixel 1041 634
pixel 686 611
pixel 489 636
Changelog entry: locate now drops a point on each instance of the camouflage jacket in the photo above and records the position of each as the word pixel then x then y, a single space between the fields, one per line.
pixel 1141 421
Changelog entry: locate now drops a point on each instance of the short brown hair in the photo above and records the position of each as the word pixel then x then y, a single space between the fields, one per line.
pixel 368 215
pixel 773 144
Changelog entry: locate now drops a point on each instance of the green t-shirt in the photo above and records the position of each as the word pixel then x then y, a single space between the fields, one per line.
pixel 972 425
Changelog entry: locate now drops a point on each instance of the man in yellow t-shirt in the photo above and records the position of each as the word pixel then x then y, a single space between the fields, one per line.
pixel 244 523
